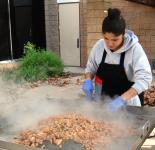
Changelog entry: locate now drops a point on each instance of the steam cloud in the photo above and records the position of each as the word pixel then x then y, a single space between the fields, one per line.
pixel 21 109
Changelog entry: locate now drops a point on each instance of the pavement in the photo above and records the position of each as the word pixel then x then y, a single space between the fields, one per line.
pixel 78 70
pixel 149 143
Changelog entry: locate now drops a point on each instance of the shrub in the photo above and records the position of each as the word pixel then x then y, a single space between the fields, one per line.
pixel 38 64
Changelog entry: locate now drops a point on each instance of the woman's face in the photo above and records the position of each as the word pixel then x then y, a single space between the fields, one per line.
pixel 112 41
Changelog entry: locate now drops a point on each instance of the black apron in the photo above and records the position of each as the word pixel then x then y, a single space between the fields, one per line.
pixel 113 78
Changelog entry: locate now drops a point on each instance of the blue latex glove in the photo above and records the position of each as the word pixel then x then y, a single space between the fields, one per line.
pixel 116 104
pixel 88 88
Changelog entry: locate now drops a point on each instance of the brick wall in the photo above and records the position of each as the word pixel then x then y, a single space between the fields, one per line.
pixel 95 16
pixel 139 18
pixel 52 26
pixel 146 2
pixel 83 31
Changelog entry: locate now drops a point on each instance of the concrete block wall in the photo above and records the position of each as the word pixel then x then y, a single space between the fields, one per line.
pixel 83 32
pixel 91 15
pixel 52 26
pixel 95 17
pixel 139 18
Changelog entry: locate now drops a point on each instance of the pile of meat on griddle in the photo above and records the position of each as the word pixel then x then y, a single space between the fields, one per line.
pixel 74 126
pixel 149 96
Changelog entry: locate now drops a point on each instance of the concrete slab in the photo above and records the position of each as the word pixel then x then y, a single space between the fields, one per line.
pixel 149 144
pixel 78 70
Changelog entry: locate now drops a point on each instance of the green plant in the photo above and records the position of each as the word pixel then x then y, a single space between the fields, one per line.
pixel 39 64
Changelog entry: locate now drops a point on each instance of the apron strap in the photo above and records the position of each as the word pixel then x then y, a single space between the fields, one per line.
pixel 104 56
pixel 122 59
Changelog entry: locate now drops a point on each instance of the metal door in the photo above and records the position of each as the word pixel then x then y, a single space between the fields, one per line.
pixel 5 52
pixel 21 20
pixel 69 33
pixel 38 23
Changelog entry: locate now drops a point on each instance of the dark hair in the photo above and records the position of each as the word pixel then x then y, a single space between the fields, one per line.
pixel 114 22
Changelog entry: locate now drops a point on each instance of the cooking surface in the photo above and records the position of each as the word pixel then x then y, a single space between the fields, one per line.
pixel 143 122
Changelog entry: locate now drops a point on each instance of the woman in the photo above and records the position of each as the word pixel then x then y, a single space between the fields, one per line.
pixel 118 63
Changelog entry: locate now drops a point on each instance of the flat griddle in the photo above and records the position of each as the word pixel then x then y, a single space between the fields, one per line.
pixel 145 122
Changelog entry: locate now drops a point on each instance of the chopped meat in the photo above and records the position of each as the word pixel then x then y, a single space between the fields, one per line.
pixel 149 96
pixel 88 132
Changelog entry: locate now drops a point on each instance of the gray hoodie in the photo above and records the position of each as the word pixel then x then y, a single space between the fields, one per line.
pixel 136 64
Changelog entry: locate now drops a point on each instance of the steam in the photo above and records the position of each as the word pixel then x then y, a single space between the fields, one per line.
pixel 21 109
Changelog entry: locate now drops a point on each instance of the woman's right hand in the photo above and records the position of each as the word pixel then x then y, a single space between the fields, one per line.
pixel 88 88
pixel 116 104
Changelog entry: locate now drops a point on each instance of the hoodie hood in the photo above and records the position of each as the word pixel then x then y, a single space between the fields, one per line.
pixel 130 39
